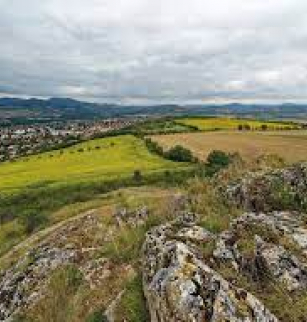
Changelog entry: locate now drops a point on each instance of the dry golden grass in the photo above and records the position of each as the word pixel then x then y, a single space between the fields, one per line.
pixel 290 145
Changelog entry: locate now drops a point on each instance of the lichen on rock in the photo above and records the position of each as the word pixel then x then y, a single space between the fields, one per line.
pixel 180 286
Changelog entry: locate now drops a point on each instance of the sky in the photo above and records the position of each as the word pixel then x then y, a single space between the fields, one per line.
pixel 140 51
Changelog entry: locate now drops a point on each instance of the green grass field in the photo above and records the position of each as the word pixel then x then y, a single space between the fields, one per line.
pixel 96 160
pixel 207 124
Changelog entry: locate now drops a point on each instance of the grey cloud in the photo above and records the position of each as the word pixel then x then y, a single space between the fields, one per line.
pixel 162 50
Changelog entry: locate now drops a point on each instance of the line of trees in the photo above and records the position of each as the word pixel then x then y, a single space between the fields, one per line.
pixel 177 153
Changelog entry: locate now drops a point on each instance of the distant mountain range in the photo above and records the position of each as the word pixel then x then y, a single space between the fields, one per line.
pixel 39 110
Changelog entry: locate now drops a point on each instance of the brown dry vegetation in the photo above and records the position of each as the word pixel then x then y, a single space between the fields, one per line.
pixel 290 145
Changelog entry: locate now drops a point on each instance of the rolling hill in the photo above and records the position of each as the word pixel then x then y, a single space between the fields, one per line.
pixel 17 110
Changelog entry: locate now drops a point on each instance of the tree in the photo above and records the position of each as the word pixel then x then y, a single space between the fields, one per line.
pixel 153 147
pixel 264 127
pixel 180 154
pixel 218 159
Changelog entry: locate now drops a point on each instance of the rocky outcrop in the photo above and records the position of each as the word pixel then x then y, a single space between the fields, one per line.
pixel 284 189
pixel 76 243
pixel 24 282
pixel 180 285
pixel 132 218
pixel 267 247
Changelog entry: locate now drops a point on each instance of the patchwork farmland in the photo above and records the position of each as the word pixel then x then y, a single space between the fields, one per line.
pixel 290 145
pixel 221 123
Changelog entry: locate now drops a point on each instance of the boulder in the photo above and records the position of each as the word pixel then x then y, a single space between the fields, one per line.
pixel 267 259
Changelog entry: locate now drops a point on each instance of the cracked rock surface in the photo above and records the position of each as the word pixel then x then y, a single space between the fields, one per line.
pixel 283 189
pixel 180 285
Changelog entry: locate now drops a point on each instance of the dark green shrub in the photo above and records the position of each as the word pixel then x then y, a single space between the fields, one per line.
pixel 180 154
pixel 137 175
pixel 153 147
pixel 216 161
pixel 218 158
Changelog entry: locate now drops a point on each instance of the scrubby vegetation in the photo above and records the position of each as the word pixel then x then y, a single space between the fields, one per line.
pixel 42 201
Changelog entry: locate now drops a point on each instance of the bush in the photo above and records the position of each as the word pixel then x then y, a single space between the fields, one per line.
pixel 216 161
pixel 137 175
pixel 153 147
pixel 218 158
pixel 180 154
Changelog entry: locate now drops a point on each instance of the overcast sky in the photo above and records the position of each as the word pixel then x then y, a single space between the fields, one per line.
pixel 155 50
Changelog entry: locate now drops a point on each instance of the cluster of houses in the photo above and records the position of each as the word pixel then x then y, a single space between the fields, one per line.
pixel 21 140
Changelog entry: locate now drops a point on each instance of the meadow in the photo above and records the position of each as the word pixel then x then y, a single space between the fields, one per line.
pixel 97 160
pixel 223 123
pixel 290 145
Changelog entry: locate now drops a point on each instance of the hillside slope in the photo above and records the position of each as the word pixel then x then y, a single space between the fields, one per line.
pixel 95 160
pixel 204 253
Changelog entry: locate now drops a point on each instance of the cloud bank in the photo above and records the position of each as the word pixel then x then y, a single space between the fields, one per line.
pixel 155 50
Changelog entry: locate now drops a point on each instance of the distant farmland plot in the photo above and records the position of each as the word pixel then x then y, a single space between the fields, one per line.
pixel 101 159
pixel 290 145
pixel 206 124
